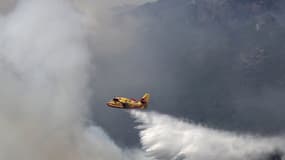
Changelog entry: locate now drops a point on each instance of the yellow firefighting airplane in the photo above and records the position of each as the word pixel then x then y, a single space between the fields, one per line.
pixel 129 103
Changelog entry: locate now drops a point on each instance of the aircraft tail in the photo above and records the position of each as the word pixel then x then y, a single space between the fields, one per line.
pixel 145 100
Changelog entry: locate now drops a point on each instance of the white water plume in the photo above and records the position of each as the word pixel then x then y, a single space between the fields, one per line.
pixel 165 137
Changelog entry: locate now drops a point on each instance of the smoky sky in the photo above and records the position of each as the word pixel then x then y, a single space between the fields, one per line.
pixel 219 63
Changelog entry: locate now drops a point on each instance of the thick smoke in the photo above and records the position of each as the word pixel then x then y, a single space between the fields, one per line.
pixel 165 137
pixel 45 74
pixel 45 67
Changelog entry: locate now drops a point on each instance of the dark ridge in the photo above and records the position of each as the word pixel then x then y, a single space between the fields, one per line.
pixel 277 155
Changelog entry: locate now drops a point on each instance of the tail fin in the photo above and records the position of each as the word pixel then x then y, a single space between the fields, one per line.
pixel 145 98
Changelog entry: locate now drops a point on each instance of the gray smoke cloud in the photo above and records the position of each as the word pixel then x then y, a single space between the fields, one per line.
pixel 45 74
pixel 166 137
pixel 46 57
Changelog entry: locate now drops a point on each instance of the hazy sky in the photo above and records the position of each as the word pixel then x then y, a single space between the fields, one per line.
pixel 207 64
pixel 218 63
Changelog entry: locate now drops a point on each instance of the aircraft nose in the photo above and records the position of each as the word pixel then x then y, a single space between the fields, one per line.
pixel 108 103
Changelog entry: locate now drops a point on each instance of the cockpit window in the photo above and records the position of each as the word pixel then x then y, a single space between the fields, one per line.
pixel 116 99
